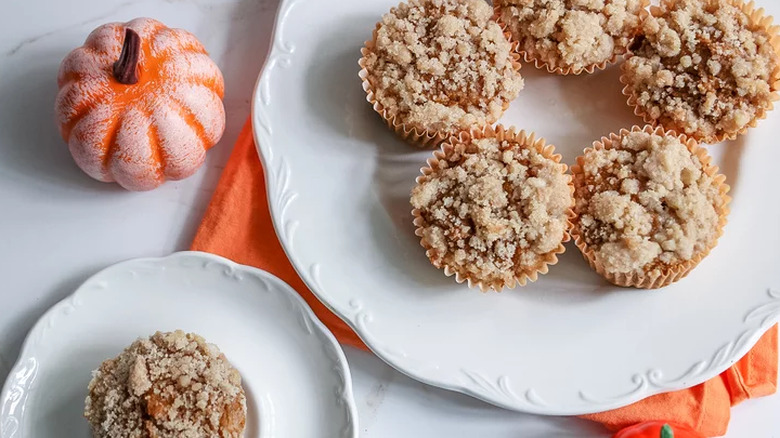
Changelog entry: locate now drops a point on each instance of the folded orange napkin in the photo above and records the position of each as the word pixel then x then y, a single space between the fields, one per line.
pixel 237 225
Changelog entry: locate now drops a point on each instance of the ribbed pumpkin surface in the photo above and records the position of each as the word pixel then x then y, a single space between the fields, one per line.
pixel 140 134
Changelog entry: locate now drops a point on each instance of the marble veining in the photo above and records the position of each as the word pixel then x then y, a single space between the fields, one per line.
pixel 38 182
pixel 92 20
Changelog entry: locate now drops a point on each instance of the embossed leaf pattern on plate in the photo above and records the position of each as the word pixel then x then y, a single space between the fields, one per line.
pixel 500 389
pixel 22 380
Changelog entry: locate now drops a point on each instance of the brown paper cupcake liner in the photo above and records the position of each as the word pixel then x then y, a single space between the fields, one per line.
pixel 425 138
pixel 500 133
pixel 758 17
pixel 532 58
pixel 656 278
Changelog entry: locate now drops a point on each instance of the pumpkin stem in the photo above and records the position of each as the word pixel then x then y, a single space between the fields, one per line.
pixel 126 68
pixel 667 432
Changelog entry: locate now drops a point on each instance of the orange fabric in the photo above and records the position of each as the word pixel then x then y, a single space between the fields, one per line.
pixel 706 407
pixel 237 225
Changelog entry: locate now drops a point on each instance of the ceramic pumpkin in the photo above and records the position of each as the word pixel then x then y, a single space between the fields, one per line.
pixel 140 103
pixel 658 429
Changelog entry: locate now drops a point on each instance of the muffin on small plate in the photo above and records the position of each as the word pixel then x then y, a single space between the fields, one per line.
pixel 493 207
pixel 170 385
pixel 649 206
pixel 571 36
pixel 709 69
pixel 436 67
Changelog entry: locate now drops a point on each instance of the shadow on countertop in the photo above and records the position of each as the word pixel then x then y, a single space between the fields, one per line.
pixel 32 149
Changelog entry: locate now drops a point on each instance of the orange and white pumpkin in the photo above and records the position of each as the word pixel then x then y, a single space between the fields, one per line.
pixel 140 103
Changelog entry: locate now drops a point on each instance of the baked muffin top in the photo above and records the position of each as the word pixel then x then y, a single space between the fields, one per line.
pixel 442 65
pixel 171 385
pixel 647 202
pixel 493 210
pixel 703 68
pixel 572 35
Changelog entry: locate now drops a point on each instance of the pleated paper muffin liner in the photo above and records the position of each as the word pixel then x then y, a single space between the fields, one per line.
pixel 423 138
pixel 539 63
pixel 438 161
pixel 758 17
pixel 657 278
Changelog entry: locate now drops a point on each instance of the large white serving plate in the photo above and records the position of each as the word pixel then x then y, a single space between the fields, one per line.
pixel 338 185
pixel 294 373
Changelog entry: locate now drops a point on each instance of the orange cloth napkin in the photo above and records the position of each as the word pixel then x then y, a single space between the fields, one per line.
pixel 237 225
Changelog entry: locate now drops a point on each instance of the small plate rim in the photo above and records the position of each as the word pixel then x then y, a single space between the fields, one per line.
pixel 23 372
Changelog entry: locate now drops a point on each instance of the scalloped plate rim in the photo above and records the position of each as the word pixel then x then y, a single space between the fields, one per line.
pixel 324 334
pixel 748 337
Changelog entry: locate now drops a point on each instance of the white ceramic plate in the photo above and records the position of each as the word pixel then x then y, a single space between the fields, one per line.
pixel 338 185
pixel 294 373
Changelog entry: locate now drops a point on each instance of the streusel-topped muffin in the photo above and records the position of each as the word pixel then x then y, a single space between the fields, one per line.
pixel 435 67
pixel 493 208
pixel 705 68
pixel 571 36
pixel 649 206
pixel 170 385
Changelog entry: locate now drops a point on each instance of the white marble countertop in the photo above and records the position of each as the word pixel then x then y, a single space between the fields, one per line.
pixel 58 227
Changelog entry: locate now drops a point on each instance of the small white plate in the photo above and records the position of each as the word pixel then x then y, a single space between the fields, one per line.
pixel 295 375
pixel 338 186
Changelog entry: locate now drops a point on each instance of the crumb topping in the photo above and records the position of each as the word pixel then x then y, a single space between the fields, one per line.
pixel 494 210
pixel 169 385
pixel 572 33
pixel 703 68
pixel 442 65
pixel 646 203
